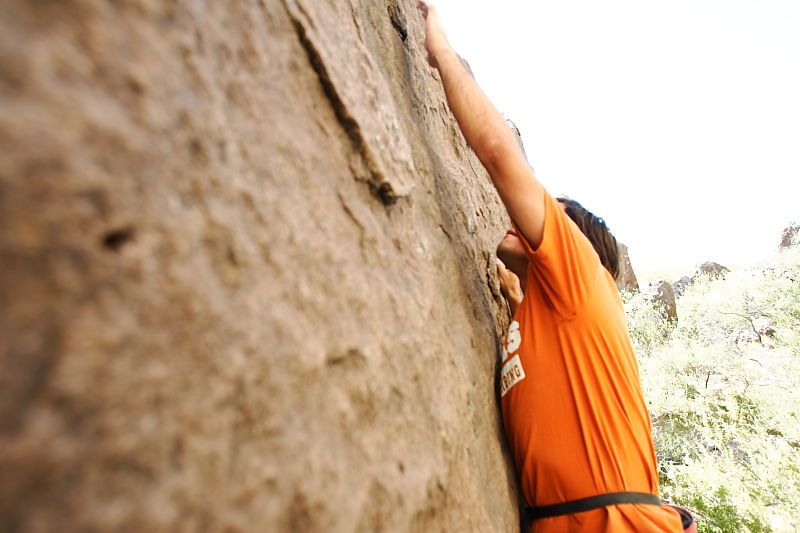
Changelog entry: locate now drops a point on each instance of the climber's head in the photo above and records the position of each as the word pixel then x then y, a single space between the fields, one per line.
pixel 512 252
pixel 596 231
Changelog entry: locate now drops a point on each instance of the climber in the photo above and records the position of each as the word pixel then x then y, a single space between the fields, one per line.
pixel 572 404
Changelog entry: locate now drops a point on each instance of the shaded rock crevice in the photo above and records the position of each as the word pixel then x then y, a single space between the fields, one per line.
pixel 364 112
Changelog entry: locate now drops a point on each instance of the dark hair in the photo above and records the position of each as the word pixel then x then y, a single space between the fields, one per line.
pixel 597 232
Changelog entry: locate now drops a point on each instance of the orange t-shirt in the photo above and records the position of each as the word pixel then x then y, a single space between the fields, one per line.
pixel 572 403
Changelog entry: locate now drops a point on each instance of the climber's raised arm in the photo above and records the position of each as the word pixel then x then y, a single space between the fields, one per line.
pixel 487 133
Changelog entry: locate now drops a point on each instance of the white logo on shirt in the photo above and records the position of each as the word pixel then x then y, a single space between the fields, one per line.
pixel 512 372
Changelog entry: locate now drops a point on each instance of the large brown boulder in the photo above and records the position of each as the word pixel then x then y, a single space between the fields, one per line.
pixel 790 236
pixel 626 280
pixel 246 276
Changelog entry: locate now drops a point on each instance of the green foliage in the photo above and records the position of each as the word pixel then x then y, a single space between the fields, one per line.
pixel 723 389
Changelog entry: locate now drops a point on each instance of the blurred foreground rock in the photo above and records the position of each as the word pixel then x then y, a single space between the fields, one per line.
pixel 246 274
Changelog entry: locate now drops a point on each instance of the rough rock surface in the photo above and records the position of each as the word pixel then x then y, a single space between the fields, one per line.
pixel 662 297
pixel 626 280
pixel 709 269
pixel 247 278
pixel 790 236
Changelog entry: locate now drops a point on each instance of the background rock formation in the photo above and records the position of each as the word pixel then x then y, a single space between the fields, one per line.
pixel 626 280
pixel 661 295
pixel 247 276
pixel 790 236
pixel 708 269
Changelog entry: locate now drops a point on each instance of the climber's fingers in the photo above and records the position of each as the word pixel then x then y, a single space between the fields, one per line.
pixel 435 36
pixel 509 282
pixel 509 286
pixel 424 8
pixel 502 274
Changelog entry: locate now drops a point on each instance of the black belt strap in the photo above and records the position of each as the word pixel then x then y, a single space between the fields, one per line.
pixel 587 504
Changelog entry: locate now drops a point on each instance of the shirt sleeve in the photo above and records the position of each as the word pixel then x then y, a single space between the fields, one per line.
pixel 565 264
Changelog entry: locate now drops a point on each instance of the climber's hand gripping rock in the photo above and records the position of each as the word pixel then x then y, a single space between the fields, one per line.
pixel 510 285
pixel 435 37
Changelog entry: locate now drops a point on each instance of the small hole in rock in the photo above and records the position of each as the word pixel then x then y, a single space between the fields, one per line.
pixel 135 86
pixel 114 240
pixel 195 147
pixel 386 194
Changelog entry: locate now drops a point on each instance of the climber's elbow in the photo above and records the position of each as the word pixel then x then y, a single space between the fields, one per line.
pixel 498 154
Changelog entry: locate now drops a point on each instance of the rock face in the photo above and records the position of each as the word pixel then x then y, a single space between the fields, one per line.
pixel 247 278
pixel 626 280
pixel 790 236
pixel 662 297
pixel 710 269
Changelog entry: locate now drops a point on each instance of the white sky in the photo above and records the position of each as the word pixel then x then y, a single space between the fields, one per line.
pixel 677 121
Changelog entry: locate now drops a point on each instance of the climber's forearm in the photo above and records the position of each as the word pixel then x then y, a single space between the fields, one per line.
pixel 487 133
pixel 495 144
pixel 484 128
